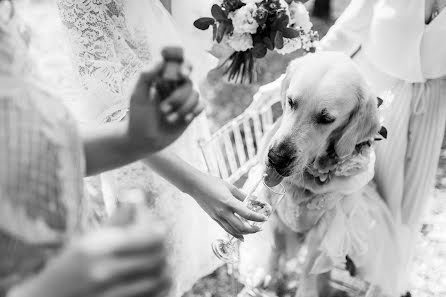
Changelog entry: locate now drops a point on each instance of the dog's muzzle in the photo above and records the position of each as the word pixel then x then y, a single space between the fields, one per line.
pixel 279 161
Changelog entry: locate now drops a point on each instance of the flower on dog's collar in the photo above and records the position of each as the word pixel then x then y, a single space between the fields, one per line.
pixel 351 165
pixel 380 101
pixel 382 133
pixel 357 162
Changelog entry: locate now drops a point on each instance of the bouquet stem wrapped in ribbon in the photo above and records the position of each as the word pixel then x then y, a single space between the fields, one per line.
pixel 252 27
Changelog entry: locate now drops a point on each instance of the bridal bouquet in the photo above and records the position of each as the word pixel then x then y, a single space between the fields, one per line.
pixel 252 27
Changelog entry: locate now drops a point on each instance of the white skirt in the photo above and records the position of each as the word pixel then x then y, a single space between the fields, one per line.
pixel 415 117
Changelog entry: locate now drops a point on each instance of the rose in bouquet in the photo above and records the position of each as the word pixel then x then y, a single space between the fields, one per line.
pixel 252 27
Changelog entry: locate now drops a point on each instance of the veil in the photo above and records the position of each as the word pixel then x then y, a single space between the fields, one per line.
pixel 116 39
pixel 175 29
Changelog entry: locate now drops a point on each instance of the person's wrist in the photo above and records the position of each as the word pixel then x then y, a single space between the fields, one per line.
pixel 142 146
pixel 132 142
pixel 193 184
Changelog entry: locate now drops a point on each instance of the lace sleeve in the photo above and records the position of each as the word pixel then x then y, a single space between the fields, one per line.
pixel 105 53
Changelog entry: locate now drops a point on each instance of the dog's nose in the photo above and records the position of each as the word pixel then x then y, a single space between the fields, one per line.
pixel 278 160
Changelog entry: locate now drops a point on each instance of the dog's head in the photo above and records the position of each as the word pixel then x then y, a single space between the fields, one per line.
pixel 327 110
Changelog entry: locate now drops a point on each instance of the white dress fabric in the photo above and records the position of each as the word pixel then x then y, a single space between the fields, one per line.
pixel 112 41
pixel 41 165
pixel 404 60
pixel 394 36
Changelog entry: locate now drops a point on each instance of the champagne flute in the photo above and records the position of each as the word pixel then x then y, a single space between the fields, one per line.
pixel 256 200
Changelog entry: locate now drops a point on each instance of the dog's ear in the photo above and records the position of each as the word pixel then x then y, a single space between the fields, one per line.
pixel 363 125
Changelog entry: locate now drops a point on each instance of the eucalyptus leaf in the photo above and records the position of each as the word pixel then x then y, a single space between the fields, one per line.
pixel 268 43
pixel 204 23
pixel 259 51
pixel 214 31
pixel 218 13
pixel 274 25
pixel 220 32
pixel 229 27
pixel 282 22
pixel 272 37
pixel 224 28
pixel 290 33
pixel 278 40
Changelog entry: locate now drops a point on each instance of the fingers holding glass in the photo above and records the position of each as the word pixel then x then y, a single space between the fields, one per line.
pixel 227 250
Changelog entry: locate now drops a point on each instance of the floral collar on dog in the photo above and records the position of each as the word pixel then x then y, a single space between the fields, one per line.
pixel 354 163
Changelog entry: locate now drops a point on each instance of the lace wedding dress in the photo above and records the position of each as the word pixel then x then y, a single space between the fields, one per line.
pixel 112 41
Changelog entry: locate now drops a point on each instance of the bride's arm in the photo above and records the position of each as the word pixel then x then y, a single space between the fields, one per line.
pixel 214 196
pixel 108 146
pixel 147 129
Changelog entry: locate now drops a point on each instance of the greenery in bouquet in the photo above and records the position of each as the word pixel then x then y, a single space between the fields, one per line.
pixel 252 27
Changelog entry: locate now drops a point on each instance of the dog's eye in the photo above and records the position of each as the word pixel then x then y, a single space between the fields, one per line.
pixel 292 103
pixel 325 118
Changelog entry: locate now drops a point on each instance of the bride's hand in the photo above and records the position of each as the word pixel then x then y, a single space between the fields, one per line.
pixel 156 123
pixel 224 203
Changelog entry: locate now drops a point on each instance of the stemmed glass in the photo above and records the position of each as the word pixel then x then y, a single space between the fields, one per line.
pixel 257 200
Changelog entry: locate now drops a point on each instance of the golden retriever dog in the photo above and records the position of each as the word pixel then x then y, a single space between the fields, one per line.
pixel 330 117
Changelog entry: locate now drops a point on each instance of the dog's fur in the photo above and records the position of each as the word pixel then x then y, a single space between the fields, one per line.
pixel 328 109
pixel 318 89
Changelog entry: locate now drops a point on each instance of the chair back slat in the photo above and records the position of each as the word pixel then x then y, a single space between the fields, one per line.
pixel 267 118
pixel 239 143
pixel 249 140
pixel 257 130
pixel 216 150
pixel 211 163
pixel 233 150
pixel 230 153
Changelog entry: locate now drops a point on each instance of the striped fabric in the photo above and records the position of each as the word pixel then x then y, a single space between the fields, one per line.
pixel 407 162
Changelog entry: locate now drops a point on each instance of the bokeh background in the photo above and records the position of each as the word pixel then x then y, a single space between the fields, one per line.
pixel 226 101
